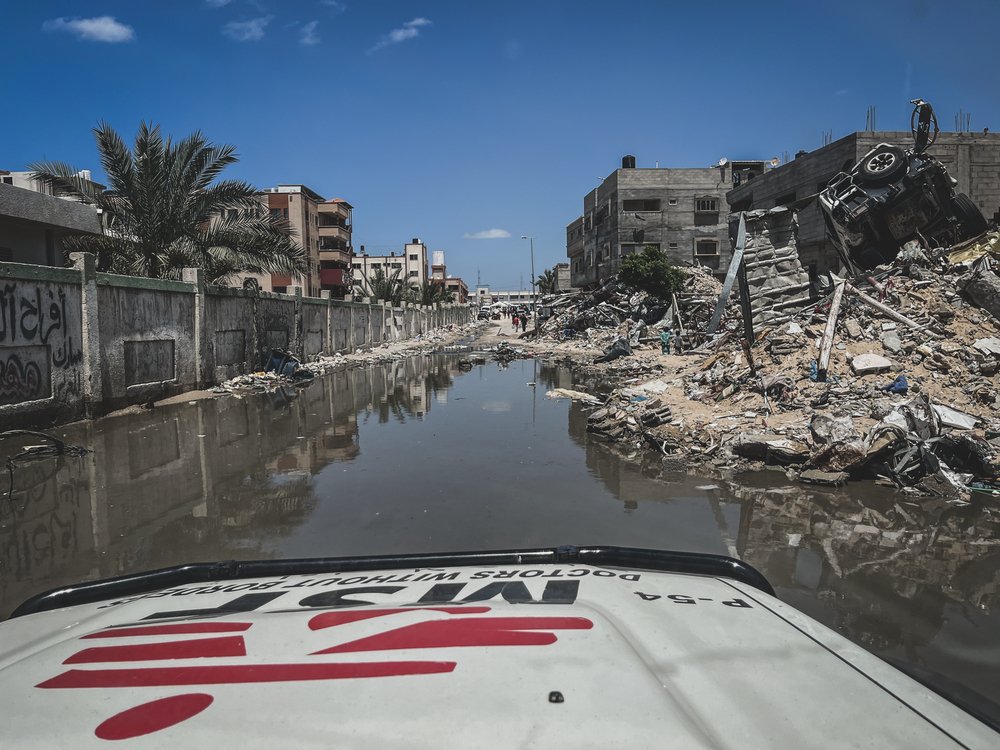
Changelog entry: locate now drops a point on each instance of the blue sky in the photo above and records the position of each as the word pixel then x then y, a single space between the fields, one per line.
pixel 443 120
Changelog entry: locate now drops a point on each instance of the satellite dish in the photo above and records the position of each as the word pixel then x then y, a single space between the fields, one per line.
pixel 722 162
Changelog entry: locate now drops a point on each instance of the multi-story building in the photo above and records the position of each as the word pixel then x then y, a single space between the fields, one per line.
pixel 299 206
pixel 973 159
pixel 681 212
pixel 411 266
pixel 323 228
pixel 335 248
pixel 453 284
pixel 458 288
pixel 34 222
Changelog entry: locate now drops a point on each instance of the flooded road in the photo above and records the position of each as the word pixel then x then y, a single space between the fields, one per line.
pixel 417 456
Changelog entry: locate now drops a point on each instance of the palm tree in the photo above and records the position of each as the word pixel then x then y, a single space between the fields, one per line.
pixel 164 210
pixel 384 287
pixel 429 293
pixel 547 282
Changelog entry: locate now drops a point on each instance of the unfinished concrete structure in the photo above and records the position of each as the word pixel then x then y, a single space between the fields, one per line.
pixel 682 212
pixel 973 159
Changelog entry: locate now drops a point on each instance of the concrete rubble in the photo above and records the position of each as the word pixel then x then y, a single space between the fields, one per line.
pixel 296 374
pixel 908 393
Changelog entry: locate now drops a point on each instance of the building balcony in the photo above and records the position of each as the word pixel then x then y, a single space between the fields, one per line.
pixel 335 255
pixel 335 231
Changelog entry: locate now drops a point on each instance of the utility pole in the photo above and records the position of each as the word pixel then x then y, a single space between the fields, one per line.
pixel 534 301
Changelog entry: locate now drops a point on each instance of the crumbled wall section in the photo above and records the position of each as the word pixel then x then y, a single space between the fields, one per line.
pixel 777 282
pixel 76 343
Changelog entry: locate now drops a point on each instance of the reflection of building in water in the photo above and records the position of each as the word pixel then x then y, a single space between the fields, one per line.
pixel 164 486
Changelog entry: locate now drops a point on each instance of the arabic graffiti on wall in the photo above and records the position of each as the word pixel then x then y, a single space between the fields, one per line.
pixel 39 334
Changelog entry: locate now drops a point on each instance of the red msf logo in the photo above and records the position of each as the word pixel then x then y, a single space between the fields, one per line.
pixel 220 640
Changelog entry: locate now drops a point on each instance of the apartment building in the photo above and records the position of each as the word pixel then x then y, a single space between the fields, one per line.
pixel 299 206
pixel 323 228
pixel 335 248
pixel 681 212
pixel 973 159
pixel 411 265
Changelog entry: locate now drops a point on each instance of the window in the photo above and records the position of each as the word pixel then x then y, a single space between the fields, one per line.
pixel 8 180
pixel 356 265
pixel 275 214
pixel 414 273
pixel 784 200
pixel 672 246
pixel 413 257
pixel 630 249
pixel 706 205
pixel 706 247
pixel 671 201
pixel 641 205
pixel 397 265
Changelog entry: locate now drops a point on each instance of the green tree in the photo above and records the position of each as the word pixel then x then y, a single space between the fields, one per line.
pixel 165 210
pixel 385 287
pixel 429 293
pixel 546 282
pixel 649 271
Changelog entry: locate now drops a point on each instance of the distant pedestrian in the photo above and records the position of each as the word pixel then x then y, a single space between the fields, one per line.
pixel 524 323
pixel 516 321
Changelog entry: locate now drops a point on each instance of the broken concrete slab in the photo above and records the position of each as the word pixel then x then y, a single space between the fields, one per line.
pixel 829 429
pixel 891 342
pixel 853 328
pixel 771 449
pixel 866 364
pixel 825 478
pixel 987 346
pixel 982 288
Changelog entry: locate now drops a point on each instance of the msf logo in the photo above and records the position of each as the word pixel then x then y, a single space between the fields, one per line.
pixel 215 650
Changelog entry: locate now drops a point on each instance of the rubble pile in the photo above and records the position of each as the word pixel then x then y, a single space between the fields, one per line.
pixel 907 394
pixel 616 314
pixel 282 369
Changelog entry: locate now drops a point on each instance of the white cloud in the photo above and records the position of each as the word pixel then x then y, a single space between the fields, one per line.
pixel 98 29
pixel 409 30
pixel 335 6
pixel 309 35
pixel 247 31
pixel 488 234
pixel 217 3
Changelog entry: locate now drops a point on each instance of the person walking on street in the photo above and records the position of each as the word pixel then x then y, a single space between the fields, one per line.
pixel 524 323
pixel 516 321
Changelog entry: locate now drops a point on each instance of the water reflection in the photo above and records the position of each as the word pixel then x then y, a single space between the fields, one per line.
pixel 417 456
pixel 208 480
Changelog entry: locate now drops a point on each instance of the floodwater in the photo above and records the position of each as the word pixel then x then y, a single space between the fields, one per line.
pixel 418 456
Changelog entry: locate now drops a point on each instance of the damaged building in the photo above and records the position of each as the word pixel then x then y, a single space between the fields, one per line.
pixel 680 211
pixel 973 159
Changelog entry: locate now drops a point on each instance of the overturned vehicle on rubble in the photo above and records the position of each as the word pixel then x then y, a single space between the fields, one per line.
pixel 894 195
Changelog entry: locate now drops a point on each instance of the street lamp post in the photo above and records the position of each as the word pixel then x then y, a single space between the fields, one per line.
pixel 534 300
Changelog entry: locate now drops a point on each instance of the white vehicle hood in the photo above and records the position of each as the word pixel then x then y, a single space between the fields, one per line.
pixel 533 656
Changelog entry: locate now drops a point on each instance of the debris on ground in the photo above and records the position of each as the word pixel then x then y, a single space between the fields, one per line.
pixel 283 370
pixel 907 393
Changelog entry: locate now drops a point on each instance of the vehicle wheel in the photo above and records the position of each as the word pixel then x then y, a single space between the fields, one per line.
pixel 968 213
pixel 884 165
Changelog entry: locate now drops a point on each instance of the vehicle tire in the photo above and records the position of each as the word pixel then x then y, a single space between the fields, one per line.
pixel 968 214
pixel 884 165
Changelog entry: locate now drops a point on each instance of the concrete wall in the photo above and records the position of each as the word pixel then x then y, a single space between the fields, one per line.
pixel 77 343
